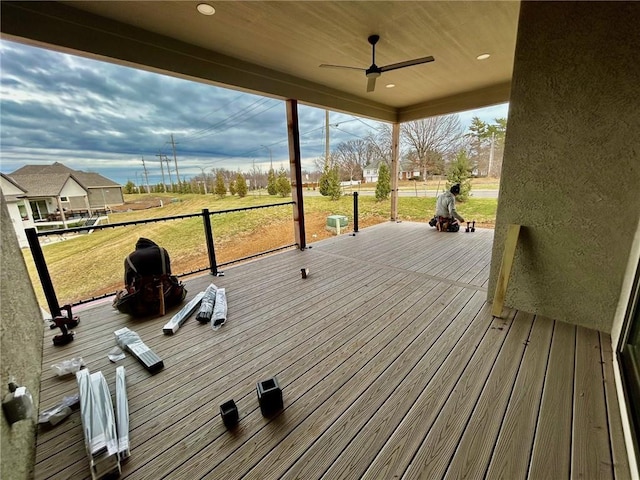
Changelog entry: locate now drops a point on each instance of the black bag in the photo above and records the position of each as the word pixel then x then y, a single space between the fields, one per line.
pixel 143 297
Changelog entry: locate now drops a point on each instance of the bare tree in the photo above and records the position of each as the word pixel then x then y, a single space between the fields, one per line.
pixel 434 140
pixel 381 143
pixel 256 177
pixel 353 156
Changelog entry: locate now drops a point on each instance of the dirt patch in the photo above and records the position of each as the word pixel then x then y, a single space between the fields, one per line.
pixel 143 204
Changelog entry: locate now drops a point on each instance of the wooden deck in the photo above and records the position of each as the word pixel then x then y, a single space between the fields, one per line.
pixel 391 366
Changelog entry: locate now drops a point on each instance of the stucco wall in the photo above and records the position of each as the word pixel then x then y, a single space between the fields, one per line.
pixel 571 169
pixel 22 327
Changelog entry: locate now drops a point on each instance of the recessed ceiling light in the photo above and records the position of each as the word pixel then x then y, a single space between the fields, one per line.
pixel 390 85
pixel 483 56
pixel 206 9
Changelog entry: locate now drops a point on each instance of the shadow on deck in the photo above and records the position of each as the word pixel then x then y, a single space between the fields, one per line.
pixel 391 366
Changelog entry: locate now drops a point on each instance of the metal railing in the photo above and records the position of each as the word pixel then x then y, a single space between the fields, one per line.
pixel 45 278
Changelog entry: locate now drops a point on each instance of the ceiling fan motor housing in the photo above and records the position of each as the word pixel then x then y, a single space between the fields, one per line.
pixel 373 71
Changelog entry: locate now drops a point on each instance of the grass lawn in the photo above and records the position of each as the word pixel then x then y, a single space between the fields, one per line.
pixel 85 266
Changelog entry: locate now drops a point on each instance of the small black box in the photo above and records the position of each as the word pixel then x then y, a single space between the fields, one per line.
pixel 269 396
pixel 229 413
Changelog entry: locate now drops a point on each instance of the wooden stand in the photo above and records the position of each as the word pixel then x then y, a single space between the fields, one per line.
pixel 505 269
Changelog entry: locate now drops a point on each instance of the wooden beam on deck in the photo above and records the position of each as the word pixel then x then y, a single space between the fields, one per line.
pixel 395 153
pixel 505 269
pixel 295 168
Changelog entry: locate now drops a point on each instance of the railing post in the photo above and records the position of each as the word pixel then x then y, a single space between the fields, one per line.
pixel 355 212
pixel 43 272
pixel 208 234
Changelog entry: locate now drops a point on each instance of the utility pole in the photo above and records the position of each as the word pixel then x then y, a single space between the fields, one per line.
pixel 164 185
pixel 175 160
pixel 326 135
pixel 146 175
pixel 166 159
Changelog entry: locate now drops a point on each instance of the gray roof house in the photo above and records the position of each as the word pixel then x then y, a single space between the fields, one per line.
pixel 51 196
pixel 100 190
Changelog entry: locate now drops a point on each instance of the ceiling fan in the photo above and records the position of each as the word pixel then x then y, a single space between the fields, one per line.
pixel 375 71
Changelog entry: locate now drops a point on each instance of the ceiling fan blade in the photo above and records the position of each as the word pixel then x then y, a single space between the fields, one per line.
pixel 407 63
pixel 326 65
pixel 371 84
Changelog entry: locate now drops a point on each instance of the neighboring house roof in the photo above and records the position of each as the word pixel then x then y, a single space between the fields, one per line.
pixel 94 180
pixel 9 194
pixel 13 182
pixel 374 164
pixel 43 185
pixel 55 167
pixel 86 179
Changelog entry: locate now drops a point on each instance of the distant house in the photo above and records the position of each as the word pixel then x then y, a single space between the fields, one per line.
pixel 101 191
pixel 408 174
pixel 52 196
pixel 370 173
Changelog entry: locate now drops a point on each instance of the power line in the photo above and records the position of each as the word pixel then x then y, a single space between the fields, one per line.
pixel 236 117
pixel 363 122
pixel 200 133
pixel 349 133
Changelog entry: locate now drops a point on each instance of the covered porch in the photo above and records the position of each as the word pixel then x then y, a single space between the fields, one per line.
pixel 391 366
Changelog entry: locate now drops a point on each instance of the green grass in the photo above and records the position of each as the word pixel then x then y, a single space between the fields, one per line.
pixel 91 265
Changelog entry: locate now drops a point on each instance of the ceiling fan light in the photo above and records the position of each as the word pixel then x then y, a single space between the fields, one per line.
pixel 206 9
pixel 390 85
pixel 483 56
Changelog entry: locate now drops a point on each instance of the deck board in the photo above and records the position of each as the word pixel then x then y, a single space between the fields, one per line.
pixel 379 399
pixel 478 440
pixel 390 364
pixel 552 445
pixel 591 453
pixel 513 447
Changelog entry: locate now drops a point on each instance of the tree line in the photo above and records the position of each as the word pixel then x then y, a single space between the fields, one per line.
pixel 432 146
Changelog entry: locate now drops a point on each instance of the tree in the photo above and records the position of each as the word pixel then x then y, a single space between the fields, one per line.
pixel 487 145
pixel 232 187
pixel 460 172
pixel 283 185
pixel 353 156
pixel 433 140
pixel 329 183
pixel 130 187
pixel 381 143
pixel 257 177
pixel 241 185
pixel 220 190
pixel 272 188
pixel 383 187
pixel 324 181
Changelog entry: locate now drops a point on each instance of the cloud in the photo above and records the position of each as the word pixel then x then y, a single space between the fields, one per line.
pixel 105 118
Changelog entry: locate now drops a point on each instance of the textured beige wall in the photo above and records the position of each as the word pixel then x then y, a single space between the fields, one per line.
pixel 571 171
pixel 22 326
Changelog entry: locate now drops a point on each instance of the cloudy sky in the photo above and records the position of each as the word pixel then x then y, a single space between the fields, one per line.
pixel 104 118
